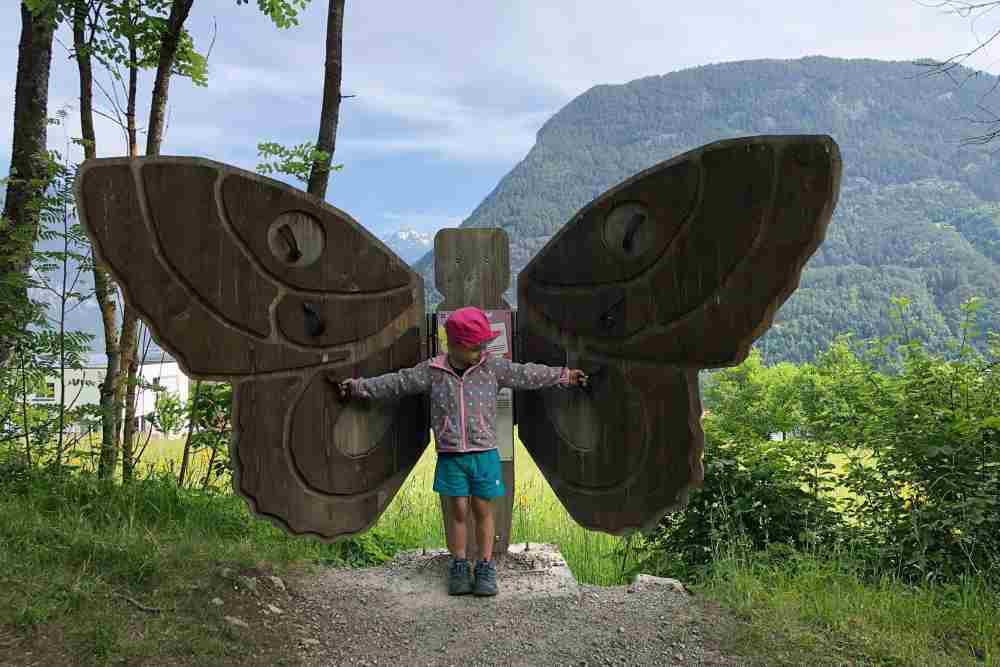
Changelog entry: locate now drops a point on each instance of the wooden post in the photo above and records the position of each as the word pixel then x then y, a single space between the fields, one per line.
pixel 472 268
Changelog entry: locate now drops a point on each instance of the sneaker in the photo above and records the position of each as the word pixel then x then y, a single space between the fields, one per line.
pixel 486 578
pixel 458 577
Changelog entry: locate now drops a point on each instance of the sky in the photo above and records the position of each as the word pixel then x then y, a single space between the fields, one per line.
pixel 449 95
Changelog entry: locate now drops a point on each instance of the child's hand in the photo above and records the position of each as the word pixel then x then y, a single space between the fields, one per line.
pixel 342 387
pixel 577 378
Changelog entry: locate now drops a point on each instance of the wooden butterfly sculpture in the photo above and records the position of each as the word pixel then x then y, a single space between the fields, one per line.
pixel 245 279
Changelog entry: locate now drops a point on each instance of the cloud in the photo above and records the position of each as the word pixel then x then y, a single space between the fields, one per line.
pixel 473 82
pixel 443 126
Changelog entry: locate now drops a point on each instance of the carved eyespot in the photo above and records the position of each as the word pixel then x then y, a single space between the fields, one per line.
pixel 627 229
pixel 296 239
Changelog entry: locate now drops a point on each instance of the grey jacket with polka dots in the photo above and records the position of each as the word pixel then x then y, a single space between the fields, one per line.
pixel 463 408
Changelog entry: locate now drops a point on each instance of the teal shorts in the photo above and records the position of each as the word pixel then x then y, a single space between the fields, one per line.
pixel 469 474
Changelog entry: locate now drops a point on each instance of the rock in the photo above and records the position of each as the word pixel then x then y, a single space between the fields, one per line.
pixel 250 583
pixel 217 602
pixel 309 641
pixel 274 610
pixel 232 620
pixel 646 580
pixel 277 582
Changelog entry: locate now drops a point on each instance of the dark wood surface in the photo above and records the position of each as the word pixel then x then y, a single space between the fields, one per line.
pixel 679 268
pixel 221 264
pixel 472 268
pixel 690 261
pixel 257 211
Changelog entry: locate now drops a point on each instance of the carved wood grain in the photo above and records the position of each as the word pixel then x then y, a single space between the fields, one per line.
pixel 209 298
pixel 717 267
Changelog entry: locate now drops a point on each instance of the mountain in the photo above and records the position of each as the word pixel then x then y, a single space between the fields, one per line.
pixel 409 244
pixel 918 215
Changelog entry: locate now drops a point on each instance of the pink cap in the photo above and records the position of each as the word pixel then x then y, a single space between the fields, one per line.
pixel 469 326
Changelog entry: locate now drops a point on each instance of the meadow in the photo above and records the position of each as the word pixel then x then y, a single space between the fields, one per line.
pixel 72 546
pixel 413 518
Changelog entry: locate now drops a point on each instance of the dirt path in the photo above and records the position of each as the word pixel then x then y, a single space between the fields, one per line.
pixel 400 614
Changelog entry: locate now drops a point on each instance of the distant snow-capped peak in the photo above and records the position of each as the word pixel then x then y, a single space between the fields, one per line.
pixel 412 236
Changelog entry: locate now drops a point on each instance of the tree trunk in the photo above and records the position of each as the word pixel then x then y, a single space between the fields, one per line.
pixel 84 65
pixel 129 427
pixel 110 406
pixel 28 166
pixel 192 423
pixel 128 342
pixel 133 91
pixel 179 11
pixel 211 465
pixel 319 175
pixel 104 287
pixel 129 353
pixel 24 409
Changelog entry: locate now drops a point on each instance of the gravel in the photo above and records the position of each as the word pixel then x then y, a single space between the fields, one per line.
pixel 400 614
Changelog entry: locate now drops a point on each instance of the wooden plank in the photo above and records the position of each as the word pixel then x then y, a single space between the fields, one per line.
pixel 472 268
pixel 204 256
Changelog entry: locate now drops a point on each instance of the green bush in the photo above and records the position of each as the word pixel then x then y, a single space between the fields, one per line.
pixel 884 446
pixel 759 505
pixel 923 451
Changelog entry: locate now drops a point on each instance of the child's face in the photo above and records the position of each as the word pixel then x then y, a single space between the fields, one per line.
pixel 463 356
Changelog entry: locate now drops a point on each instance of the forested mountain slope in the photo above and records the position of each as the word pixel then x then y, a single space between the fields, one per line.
pixel 919 213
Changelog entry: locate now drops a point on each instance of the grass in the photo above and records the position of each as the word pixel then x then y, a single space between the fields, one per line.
pixel 414 518
pixel 797 609
pixel 158 454
pixel 69 545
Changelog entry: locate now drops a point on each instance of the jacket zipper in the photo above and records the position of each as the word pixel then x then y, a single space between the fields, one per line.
pixel 461 395
pixel 461 408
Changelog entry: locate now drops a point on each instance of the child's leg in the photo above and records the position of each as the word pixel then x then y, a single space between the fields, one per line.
pixel 482 508
pixel 456 529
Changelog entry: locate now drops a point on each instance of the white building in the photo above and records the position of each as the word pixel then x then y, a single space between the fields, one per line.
pixel 159 373
pixel 82 386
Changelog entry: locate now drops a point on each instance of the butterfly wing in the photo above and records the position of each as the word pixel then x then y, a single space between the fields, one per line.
pixel 681 267
pixel 243 278
pixel 317 466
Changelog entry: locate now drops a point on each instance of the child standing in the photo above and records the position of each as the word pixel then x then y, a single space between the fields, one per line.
pixel 463 386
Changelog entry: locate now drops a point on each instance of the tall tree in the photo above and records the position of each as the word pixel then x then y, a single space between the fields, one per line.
pixel 85 21
pixel 319 176
pixel 171 41
pixel 136 34
pixel 28 166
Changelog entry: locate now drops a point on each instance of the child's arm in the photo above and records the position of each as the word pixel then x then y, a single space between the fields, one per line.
pixel 415 380
pixel 535 376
